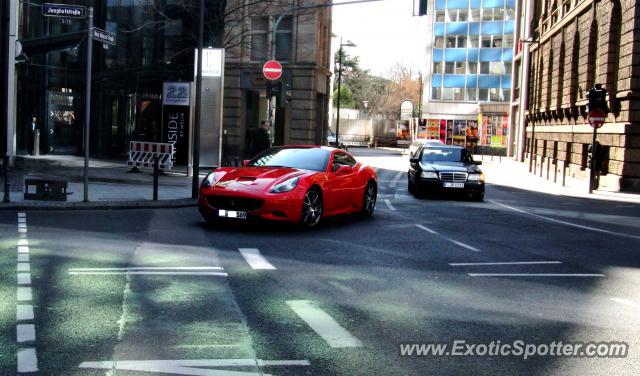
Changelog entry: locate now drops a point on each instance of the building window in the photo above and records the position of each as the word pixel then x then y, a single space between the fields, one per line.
pixel 507 68
pixel 485 41
pixel 483 95
pixel 284 39
pixel 458 93
pixel 459 67
pixel 440 16
pixel 436 93
pixel 494 95
pixel 473 41
pixel 459 41
pixel 506 95
pixel 437 67
pixel 458 15
pixel 439 42
pixel 472 67
pixel 496 67
pixel 507 41
pixel 484 67
pixel 447 94
pixel 474 15
pixel 509 14
pixel 494 14
pixel 471 95
pixel 259 38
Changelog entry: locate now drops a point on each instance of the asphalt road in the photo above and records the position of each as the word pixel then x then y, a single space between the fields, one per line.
pixel 147 292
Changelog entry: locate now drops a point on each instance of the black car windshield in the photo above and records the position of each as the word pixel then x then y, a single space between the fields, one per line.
pixel 314 159
pixel 435 154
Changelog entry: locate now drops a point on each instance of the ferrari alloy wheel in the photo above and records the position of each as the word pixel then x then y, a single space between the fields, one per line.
pixel 311 208
pixel 370 198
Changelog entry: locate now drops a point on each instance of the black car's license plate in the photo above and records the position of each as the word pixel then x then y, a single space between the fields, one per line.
pixel 454 185
pixel 232 214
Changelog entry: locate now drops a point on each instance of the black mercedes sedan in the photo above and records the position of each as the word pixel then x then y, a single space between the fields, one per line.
pixel 439 169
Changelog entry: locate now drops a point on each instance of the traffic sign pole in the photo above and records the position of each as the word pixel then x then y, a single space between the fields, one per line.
pixel 87 110
pixel 594 158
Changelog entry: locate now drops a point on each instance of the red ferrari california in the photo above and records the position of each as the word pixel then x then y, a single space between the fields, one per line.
pixel 298 184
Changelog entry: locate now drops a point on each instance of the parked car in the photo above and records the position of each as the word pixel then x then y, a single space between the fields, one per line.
pixel 297 184
pixel 437 169
pixel 331 141
pixel 415 146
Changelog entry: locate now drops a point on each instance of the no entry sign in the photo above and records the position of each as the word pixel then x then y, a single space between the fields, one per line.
pixel 596 118
pixel 272 70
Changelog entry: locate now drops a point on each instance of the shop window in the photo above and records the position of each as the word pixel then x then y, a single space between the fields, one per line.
pixel 259 38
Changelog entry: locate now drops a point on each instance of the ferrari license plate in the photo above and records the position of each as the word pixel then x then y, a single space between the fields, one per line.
pixel 454 185
pixel 232 214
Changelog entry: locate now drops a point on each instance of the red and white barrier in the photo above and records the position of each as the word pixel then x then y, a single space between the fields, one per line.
pixel 142 154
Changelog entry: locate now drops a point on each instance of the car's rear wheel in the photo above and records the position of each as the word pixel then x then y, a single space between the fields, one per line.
pixel 311 208
pixel 370 198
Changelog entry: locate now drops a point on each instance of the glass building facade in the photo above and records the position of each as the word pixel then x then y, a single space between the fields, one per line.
pixel 155 43
pixel 472 50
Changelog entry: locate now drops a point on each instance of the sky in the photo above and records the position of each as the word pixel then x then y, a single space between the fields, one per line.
pixel 385 33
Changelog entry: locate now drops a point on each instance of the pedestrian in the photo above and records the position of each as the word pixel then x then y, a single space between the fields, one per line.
pixel 262 138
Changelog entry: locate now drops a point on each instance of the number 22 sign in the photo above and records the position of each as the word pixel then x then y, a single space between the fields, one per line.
pixel 176 93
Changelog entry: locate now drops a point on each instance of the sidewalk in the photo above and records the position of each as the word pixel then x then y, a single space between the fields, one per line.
pixel 111 185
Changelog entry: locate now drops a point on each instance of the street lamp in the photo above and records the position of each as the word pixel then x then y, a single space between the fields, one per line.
pixel 347 44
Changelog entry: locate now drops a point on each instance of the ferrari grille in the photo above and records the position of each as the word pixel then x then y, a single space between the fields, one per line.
pixel 453 176
pixel 234 203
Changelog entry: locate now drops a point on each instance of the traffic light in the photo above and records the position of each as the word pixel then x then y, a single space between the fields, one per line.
pixel 274 88
pixel 598 163
pixel 597 97
pixel 422 7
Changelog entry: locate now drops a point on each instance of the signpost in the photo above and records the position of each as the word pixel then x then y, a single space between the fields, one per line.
pixel 272 70
pixel 104 36
pixel 596 120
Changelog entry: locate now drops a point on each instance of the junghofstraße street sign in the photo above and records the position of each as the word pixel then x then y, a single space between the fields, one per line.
pixel 63 10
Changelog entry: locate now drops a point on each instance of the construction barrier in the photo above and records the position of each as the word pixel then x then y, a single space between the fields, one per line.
pixel 143 154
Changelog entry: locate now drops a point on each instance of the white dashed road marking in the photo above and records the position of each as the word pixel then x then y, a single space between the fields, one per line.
pixel 395 180
pixel 255 259
pixel 586 275
pixel 626 302
pixel 386 201
pixel 504 263
pixel 323 324
pixel 25 333
pixel 461 244
pixel 202 367
pixel 27 358
pixel 153 270
pixel 24 312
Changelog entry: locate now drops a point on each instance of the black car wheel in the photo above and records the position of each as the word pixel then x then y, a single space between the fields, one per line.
pixel 311 208
pixel 369 199
pixel 478 196
pixel 411 186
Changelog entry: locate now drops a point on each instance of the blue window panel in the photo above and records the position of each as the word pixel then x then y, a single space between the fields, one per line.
pixel 475 4
pixel 473 54
pixel 472 80
pixel 511 4
pixel 436 80
pixel 474 28
pixel 438 29
pixel 457 28
pixel 506 82
pixel 493 3
pixel 507 54
pixel 489 81
pixel 457 4
pixel 454 80
pixel 491 54
pixel 438 54
pixel 455 54
pixel 441 4
pixel 509 27
pixel 492 28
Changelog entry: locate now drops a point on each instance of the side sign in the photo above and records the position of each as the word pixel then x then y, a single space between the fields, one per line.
pixel 175 118
pixel 63 10
pixel 104 36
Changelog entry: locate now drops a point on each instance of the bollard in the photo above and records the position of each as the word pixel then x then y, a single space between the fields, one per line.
pixel 7 186
pixel 36 143
pixel 155 178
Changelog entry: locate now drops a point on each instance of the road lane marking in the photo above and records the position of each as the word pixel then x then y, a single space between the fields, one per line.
pixel 461 244
pixel 23 249
pixel 22 220
pixel 395 180
pixel 24 312
pixel 202 367
pixel 535 275
pixel 24 278
pixel 255 259
pixel 504 263
pixel 22 215
pixel 217 274
pixel 24 294
pixel 323 324
pixel 23 267
pixel 24 242
pixel 22 230
pixel 146 268
pixel 25 333
pixel 23 258
pixel 22 225
pixel 626 302
pixel 386 201
pixel 571 224
pixel 27 360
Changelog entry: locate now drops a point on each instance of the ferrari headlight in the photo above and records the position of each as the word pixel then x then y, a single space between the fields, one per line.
pixel 429 175
pixel 209 179
pixel 476 177
pixel 285 186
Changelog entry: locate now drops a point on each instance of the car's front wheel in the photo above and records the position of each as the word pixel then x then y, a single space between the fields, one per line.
pixel 311 208
pixel 370 198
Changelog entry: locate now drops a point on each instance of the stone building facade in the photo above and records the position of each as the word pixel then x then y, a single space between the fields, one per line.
pixel 572 45
pixel 302 45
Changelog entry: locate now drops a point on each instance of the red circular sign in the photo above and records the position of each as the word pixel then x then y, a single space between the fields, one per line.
pixel 272 70
pixel 596 118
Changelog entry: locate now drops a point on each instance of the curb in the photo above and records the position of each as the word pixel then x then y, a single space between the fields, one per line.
pixel 100 205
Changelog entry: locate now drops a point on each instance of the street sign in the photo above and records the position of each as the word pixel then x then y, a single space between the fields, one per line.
pixel 63 10
pixel 272 70
pixel 596 118
pixel 103 36
pixel 406 110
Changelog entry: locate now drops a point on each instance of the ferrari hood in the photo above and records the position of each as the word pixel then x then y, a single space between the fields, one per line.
pixel 255 178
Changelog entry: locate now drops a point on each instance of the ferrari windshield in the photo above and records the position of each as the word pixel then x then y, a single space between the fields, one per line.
pixel 445 154
pixel 314 159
